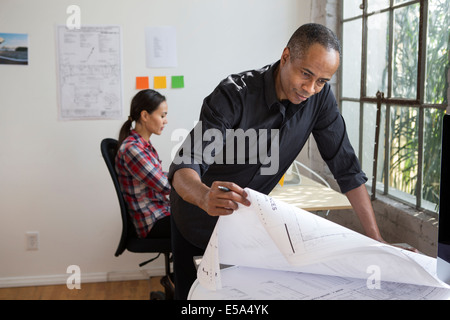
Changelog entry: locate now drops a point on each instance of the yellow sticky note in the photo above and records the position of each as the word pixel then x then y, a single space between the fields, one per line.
pixel 159 82
pixel 142 83
pixel 281 182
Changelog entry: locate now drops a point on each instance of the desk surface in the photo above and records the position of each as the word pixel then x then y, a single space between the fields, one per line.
pixel 311 196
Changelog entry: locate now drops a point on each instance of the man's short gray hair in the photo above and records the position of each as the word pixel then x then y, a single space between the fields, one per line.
pixel 309 34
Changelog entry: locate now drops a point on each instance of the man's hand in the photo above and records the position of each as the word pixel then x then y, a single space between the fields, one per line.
pixel 223 198
pixel 405 247
pixel 214 201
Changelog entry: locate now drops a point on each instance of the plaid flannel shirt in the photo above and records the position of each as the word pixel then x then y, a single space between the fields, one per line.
pixel 143 183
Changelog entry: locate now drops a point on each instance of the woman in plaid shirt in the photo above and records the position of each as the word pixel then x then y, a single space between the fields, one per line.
pixel 143 182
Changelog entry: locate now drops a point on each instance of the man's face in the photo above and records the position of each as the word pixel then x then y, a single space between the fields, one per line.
pixel 302 77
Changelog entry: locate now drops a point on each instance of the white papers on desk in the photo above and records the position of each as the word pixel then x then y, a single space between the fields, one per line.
pixel 242 283
pixel 272 235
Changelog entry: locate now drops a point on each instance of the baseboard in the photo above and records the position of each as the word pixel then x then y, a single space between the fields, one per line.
pixel 58 279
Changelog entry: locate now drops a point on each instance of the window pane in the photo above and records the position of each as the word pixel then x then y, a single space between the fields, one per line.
pixel 369 130
pixel 376 5
pixel 381 145
pixel 370 116
pixel 377 54
pixel 432 163
pixel 351 59
pixel 351 8
pixel 406 41
pixel 437 51
pixel 404 149
pixel 400 1
pixel 350 112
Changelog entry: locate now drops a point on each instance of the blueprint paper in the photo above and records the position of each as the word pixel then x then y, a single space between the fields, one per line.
pixel 89 65
pixel 242 283
pixel 271 235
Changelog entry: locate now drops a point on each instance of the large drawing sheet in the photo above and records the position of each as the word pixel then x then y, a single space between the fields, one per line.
pixel 89 66
pixel 242 283
pixel 271 236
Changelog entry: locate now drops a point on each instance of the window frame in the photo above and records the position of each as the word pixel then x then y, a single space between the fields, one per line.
pixel 384 100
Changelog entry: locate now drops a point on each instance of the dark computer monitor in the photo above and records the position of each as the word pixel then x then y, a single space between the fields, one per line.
pixel 443 259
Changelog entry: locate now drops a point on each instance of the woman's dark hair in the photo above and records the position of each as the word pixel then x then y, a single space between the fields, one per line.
pixel 309 34
pixel 148 100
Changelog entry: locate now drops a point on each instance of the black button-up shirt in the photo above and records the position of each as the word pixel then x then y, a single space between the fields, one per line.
pixel 248 101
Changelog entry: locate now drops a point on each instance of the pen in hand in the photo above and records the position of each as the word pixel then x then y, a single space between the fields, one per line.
pixel 224 189
pixel 238 195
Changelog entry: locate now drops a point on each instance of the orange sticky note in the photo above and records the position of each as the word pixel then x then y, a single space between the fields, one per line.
pixel 159 82
pixel 142 83
pixel 281 182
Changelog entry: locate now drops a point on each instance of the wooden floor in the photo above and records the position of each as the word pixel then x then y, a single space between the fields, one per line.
pixel 116 290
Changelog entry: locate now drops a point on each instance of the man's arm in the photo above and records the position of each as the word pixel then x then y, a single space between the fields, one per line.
pixel 360 201
pixel 215 202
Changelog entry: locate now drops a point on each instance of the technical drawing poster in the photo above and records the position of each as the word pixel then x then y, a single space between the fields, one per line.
pixel 89 65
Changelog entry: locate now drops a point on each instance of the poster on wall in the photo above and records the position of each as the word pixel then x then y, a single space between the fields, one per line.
pixel 14 48
pixel 161 47
pixel 89 66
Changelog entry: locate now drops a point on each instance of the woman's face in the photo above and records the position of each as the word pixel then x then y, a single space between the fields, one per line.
pixel 157 119
pixel 152 123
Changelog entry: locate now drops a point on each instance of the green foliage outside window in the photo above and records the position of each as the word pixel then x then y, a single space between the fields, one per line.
pixel 404 121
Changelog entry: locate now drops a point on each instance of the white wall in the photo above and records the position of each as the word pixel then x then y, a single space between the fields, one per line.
pixel 52 177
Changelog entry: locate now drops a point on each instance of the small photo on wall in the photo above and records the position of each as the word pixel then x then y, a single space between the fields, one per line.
pixel 14 48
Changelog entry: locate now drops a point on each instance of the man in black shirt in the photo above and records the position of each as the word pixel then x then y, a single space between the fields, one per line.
pixel 278 106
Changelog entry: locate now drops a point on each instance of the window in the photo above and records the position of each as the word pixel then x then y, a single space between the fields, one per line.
pixel 394 68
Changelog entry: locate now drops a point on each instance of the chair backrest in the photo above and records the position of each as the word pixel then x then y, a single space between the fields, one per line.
pixel 108 149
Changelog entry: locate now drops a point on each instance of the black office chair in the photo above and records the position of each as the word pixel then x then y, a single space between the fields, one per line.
pixel 129 240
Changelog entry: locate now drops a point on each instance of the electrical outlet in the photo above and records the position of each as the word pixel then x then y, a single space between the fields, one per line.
pixel 32 240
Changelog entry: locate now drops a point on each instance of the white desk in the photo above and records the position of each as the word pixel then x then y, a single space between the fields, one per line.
pixel 311 196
